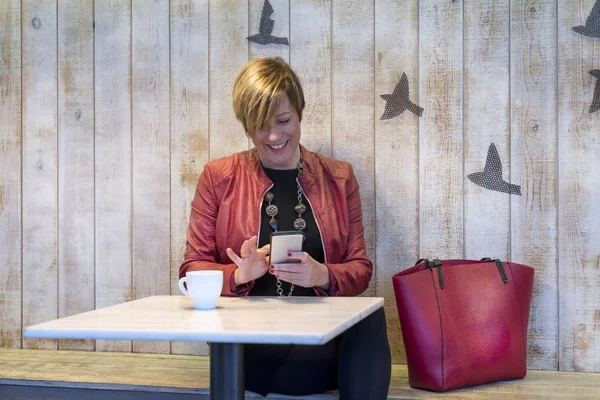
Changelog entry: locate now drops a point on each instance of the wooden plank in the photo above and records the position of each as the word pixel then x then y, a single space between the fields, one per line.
pixel 189 128
pixel 533 166
pixel 281 29
pixel 113 158
pixel 10 173
pixel 396 144
pixel 39 85
pixel 440 134
pixel 150 155
pixel 310 56
pixel 22 356
pixel 486 121
pixel 228 21
pixel 102 358
pixel 536 385
pixel 47 392
pixel 113 374
pixel 526 389
pixel 171 373
pixel 352 110
pixel 579 193
pixel 76 162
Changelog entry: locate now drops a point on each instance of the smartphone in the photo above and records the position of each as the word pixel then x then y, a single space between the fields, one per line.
pixel 282 242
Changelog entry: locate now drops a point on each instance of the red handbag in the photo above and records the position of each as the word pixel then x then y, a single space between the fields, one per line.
pixel 464 322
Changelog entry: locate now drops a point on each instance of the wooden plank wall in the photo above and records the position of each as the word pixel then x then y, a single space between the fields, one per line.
pixel 396 149
pixel 189 127
pixel 109 110
pixel 533 164
pixel 76 162
pixel 440 130
pixel 352 130
pixel 486 121
pixel 10 174
pixel 150 152
pixel 228 52
pixel 578 189
pixel 310 55
pixel 112 132
pixel 39 272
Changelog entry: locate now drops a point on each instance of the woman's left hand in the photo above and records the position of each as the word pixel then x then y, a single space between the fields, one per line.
pixel 306 273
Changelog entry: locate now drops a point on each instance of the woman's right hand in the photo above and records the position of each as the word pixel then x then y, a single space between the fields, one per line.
pixel 252 262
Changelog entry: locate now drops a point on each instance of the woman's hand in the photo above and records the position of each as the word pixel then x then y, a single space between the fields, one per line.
pixel 307 272
pixel 252 262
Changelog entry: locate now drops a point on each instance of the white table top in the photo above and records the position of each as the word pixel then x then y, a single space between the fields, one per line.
pixel 295 320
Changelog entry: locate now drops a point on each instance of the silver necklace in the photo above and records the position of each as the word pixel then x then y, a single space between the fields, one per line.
pixel 299 223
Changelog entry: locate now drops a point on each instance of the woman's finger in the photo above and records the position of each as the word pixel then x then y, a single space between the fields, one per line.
pixel 245 249
pixel 252 242
pixel 298 255
pixel 288 277
pixel 293 268
pixel 234 257
pixel 296 279
pixel 265 250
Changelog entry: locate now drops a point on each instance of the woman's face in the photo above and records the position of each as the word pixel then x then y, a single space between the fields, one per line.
pixel 278 142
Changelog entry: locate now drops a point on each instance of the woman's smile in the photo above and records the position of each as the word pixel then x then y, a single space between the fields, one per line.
pixel 278 147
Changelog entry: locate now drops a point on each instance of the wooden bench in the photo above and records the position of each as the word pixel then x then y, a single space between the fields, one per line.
pixel 44 374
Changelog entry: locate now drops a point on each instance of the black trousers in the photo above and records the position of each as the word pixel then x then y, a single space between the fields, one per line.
pixel 357 363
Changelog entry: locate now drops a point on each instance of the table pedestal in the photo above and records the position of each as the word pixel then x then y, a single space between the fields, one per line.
pixel 226 371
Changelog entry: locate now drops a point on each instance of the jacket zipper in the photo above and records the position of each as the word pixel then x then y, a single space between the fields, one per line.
pixel 260 214
pixel 316 219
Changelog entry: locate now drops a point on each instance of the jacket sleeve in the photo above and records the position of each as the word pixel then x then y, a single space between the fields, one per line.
pixel 201 251
pixel 351 276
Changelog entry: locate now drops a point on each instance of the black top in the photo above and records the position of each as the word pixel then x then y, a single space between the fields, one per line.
pixel 285 191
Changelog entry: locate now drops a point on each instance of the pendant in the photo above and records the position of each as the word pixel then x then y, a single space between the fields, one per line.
pixel 272 210
pixel 273 223
pixel 299 224
pixel 300 208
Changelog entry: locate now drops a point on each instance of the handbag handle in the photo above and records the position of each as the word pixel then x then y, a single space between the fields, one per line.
pixel 437 264
pixel 500 268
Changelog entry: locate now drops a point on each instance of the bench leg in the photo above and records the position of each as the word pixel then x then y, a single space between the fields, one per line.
pixel 226 371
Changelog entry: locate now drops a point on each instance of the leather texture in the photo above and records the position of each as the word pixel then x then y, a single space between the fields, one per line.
pixel 226 211
pixel 472 331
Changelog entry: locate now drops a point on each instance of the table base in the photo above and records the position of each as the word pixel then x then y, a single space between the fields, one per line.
pixel 226 371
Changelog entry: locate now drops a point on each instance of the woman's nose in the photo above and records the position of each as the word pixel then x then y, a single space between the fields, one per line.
pixel 273 135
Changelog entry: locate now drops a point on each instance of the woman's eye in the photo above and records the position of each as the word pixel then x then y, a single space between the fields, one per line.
pixel 284 121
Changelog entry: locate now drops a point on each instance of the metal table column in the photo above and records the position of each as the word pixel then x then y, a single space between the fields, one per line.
pixel 226 371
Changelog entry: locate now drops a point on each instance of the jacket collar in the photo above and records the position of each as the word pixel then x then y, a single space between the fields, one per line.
pixel 309 163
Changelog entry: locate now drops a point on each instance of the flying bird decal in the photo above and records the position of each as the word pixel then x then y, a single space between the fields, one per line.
pixel 491 177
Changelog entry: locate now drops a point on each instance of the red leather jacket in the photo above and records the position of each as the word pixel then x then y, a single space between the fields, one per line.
pixel 226 211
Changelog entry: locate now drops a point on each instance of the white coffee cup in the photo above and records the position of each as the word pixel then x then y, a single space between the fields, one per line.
pixel 204 287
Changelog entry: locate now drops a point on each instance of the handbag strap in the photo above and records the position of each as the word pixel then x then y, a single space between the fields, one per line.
pixel 502 271
pixel 437 264
pixel 500 268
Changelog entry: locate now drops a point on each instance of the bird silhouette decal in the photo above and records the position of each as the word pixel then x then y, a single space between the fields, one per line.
pixel 491 177
pixel 398 101
pixel 592 24
pixel 596 100
pixel 265 30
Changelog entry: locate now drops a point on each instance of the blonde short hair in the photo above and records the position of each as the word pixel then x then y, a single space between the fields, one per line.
pixel 259 89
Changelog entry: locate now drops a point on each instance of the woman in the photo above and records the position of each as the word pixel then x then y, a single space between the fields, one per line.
pixel 280 185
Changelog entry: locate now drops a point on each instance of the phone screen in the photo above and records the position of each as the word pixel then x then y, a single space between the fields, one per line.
pixel 283 242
